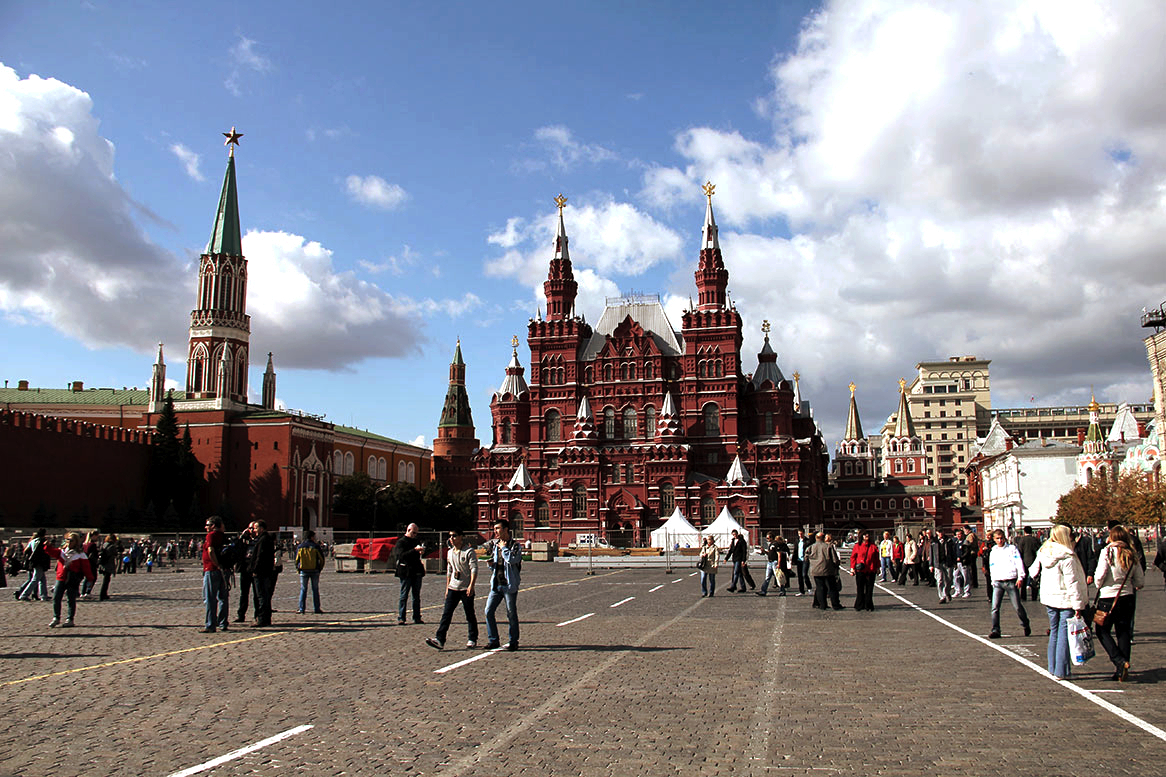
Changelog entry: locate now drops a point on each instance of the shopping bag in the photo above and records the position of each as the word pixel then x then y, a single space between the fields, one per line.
pixel 1080 641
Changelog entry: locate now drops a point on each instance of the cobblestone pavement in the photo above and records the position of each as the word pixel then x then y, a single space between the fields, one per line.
pixel 665 683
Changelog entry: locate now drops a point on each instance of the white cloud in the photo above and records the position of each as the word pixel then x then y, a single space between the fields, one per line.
pixel 189 160
pixel 606 239
pixel 566 152
pixel 945 180
pixel 243 58
pixel 374 192
pixel 397 265
pixel 419 441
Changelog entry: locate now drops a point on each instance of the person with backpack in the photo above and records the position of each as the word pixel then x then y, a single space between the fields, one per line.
pixel 107 563
pixel 37 562
pixel 309 562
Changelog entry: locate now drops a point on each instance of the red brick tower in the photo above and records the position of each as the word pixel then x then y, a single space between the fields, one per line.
pixel 455 443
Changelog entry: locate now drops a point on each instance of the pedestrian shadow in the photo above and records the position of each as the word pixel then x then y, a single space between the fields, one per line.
pixel 600 648
pixel 54 655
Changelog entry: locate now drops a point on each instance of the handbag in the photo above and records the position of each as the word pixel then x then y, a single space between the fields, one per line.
pixel 1100 616
pixel 782 578
pixel 702 563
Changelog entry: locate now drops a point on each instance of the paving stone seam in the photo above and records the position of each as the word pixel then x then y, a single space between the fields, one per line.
pixel 766 710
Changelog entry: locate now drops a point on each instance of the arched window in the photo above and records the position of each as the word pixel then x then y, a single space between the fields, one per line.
pixel 768 430
pixel 720 368
pixel 349 463
pixel 607 372
pixel 629 424
pixel 849 504
pixel 338 462
pixel 382 469
pixel 769 501
pixel 849 468
pixel 649 371
pixel 667 499
pixel 623 371
pixel 898 465
pixel 554 426
pixel 507 432
pixel 893 504
pixel 542 514
pixel 738 515
pixel 412 473
pixel 712 420
pixel 878 504
pixel 910 465
pixel 579 502
pixel 700 367
pixel 649 422
pixel 609 423
pixel 837 505
pixel 588 374
pixel 708 510
pixel 632 371
pixel 863 504
pixel 372 467
pixel 401 472
pixel 516 524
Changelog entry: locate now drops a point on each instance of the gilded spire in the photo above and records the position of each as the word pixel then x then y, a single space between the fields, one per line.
pixel 853 424
pixel 904 426
pixel 561 251
pixel 709 239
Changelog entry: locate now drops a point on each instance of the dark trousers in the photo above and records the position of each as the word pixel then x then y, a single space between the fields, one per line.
pixel 748 577
pixel 262 587
pixel 244 594
pixel 70 587
pixel 452 598
pixel 410 584
pixel 105 576
pixel 827 587
pixel 805 576
pixel 1118 632
pixel 865 582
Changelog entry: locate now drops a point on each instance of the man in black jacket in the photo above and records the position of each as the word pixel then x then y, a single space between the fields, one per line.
pixel 243 567
pixel 409 568
pixel 737 553
pixel 801 565
pixel 263 573
pixel 1028 545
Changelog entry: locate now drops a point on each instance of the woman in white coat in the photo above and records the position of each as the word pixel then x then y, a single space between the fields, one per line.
pixel 1118 578
pixel 1063 592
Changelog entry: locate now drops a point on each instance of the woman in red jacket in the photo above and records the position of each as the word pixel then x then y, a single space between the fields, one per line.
pixel 72 567
pixel 864 564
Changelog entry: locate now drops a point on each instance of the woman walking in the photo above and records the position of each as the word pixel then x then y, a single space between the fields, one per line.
pixel 1063 592
pixel 1118 577
pixel 107 560
pixel 709 556
pixel 72 567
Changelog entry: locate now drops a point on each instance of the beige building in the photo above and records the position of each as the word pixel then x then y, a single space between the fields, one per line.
pixel 1064 424
pixel 951 403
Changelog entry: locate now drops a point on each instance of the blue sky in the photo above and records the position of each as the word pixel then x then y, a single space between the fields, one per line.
pixel 896 182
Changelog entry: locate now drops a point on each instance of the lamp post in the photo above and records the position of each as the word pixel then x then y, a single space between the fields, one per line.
pixel 373 526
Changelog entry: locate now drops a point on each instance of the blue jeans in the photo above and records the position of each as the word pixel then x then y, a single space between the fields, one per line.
pixel 214 594
pixel 312 576
pixel 492 601
pixel 999 589
pixel 738 577
pixel 1058 641
pixel 770 573
pixel 410 584
pixel 36 586
pixel 708 583
pixel 884 568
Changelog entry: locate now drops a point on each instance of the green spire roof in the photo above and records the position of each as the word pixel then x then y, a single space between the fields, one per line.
pixel 225 237
pixel 457 354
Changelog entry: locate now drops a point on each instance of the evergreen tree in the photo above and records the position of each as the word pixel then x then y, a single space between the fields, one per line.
pixel 175 472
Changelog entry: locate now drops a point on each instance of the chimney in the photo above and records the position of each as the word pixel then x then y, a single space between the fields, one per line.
pixel 1080 436
pixel 78 385
pixel 1008 443
pixel 22 385
pixel 1141 429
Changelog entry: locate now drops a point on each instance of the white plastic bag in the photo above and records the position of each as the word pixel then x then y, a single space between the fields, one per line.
pixel 1080 641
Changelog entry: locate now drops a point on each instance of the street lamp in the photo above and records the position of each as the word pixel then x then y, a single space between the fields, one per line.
pixel 375 494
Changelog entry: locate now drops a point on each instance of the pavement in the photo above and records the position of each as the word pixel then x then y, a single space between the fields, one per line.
pixel 624 672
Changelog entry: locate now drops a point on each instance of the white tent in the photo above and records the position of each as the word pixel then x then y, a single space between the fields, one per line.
pixel 722 529
pixel 676 530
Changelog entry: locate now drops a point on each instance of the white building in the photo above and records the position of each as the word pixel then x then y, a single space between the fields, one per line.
pixel 1020 486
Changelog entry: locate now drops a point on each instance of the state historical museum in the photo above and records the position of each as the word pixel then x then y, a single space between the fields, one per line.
pixel 623 423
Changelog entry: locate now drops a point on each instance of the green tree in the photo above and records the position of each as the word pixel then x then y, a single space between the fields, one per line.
pixel 353 497
pixel 175 473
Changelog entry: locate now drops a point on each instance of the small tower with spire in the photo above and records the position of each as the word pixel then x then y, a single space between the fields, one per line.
pixel 712 279
pixel 220 328
pixel 560 286
pixel 455 444
pixel 904 461
pixel 510 407
pixel 853 458
pixel 269 385
pixel 158 384
pixel 1096 459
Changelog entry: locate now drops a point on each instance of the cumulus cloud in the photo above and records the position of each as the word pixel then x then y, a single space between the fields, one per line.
pixel 189 160
pixel 608 239
pixel 965 178
pixel 374 192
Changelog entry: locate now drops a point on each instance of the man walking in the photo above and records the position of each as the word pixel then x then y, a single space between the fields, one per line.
pixel 461 574
pixel 943 555
pixel 824 564
pixel 214 583
pixel 37 561
pixel 1027 545
pixel 737 553
pixel 1007 571
pixel 802 562
pixel 409 568
pixel 263 574
pixel 961 575
pixel 309 562
pixel 775 563
pixel 504 557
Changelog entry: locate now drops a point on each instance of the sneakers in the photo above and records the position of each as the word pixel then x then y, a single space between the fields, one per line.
pixel 799 594
pixel 471 644
pixel 434 643
pixel 299 612
pixel 68 624
pixel 54 623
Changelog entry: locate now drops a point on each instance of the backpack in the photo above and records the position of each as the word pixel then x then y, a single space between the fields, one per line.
pixel 229 555
pixel 306 558
pixel 39 559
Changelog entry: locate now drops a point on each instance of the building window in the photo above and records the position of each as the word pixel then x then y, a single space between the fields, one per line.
pixel 382 469
pixel 412 473
pixel 516 524
pixel 401 471
pixel 588 374
pixel 712 420
pixel 554 426
pixel 349 463
pixel 649 371
pixel 552 462
pixel 863 504
pixel 708 510
pixel 898 465
pixel 607 372
pixel 878 504
pixel 310 485
pixel 910 465
pixel 712 458
pixel 507 432
pixel 769 429
pixel 893 504
pixel 372 467
pixel 338 462
pixel 629 424
pixel 649 422
pixel 667 499
pixel 542 514
pixel 609 423
pixel 629 473
pixel 579 503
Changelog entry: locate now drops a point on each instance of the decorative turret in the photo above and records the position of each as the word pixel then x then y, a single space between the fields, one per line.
pixel 221 312
pixel 514 383
pixel 510 407
pixel 560 286
pixel 853 425
pixel 904 426
pixel 521 478
pixel 1096 459
pixel 668 425
pixel 585 432
pixel 269 385
pixel 767 369
pixel 1094 439
pixel 712 279
pixel 797 392
pixel 903 458
pixel 455 444
pixel 853 458
pixel 158 383
pixel 737 472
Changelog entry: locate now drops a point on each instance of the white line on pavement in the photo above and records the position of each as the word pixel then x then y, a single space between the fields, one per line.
pixel 576 620
pixel 222 759
pixel 1149 728
pixel 657 588
pixel 1107 690
pixel 623 601
pixel 478 657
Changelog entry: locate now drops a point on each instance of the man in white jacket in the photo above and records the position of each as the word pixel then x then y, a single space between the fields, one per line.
pixel 1007 571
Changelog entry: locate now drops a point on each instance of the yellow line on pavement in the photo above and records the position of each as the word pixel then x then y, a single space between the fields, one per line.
pixel 267 635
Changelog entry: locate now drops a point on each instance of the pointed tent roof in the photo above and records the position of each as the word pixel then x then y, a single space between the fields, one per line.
pixel 584 423
pixel 904 426
pixel 722 528
pixel 1094 434
pixel 514 383
pixel 456 411
pixel 767 368
pixel 995 441
pixel 270 366
pixel 737 472
pixel 160 359
pixel 225 236
pixel 668 424
pixel 561 241
pixel 521 478
pixel 676 529
pixel 1125 424
pixel 853 425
